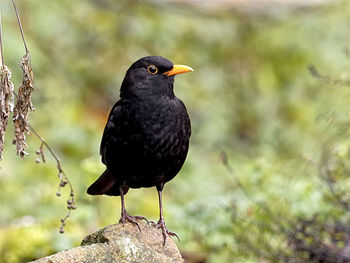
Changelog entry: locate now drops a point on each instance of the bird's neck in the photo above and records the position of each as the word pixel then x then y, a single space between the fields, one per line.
pixel 148 93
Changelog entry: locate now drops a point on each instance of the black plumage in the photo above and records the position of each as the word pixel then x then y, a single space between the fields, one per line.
pixel 146 138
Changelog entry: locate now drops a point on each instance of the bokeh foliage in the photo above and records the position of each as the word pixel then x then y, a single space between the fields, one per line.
pixel 285 131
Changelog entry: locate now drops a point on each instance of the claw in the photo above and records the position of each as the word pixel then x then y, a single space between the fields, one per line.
pixel 132 219
pixel 141 218
pixel 165 231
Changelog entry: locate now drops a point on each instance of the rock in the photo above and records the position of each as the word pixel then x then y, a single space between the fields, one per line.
pixel 120 243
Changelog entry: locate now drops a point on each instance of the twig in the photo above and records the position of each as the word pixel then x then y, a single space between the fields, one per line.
pixel 64 180
pixel 20 26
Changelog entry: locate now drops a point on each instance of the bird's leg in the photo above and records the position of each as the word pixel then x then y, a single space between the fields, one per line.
pixel 125 216
pixel 161 223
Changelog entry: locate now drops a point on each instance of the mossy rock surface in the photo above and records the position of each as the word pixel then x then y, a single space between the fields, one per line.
pixel 122 243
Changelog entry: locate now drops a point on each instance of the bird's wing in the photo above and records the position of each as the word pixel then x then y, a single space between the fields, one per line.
pixel 111 129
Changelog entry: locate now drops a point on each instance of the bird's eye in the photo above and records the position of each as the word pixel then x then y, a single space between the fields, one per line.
pixel 152 69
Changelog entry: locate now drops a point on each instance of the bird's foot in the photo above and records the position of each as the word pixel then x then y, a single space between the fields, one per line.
pixel 132 219
pixel 165 231
pixel 141 218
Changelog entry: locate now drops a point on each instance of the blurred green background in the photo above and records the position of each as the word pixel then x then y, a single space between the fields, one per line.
pixel 251 95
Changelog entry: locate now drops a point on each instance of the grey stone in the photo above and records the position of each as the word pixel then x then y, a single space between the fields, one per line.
pixel 122 243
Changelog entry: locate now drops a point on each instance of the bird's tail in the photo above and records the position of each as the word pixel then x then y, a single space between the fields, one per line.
pixel 106 184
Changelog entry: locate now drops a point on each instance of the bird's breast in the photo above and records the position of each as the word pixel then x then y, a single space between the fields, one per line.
pixel 149 143
pixel 161 128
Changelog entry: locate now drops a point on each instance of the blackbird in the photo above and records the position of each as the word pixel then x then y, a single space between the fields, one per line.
pixel 146 138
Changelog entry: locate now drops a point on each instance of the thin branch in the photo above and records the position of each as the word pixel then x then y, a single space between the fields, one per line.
pixel 61 174
pixel 64 180
pixel 20 26
pixel 48 147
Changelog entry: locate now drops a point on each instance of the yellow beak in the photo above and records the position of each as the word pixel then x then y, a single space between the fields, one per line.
pixel 178 69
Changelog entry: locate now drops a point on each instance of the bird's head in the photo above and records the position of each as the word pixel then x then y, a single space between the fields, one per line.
pixel 151 76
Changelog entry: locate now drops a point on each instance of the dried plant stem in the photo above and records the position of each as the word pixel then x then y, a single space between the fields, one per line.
pixel 23 105
pixel 6 102
pixel 20 116
pixel 43 142
pixel 6 95
pixel 64 180
pixel 20 26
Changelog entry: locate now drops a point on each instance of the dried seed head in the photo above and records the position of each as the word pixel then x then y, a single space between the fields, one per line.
pixel 6 102
pixel 24 105
pixel 37 160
